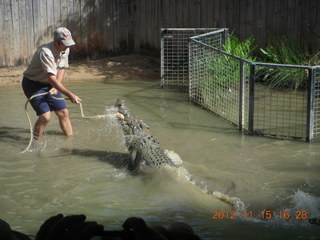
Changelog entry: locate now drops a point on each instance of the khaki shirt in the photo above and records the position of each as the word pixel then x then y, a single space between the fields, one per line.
pixel 46 60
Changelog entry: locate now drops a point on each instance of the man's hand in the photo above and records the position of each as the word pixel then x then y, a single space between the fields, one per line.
pixel 74 98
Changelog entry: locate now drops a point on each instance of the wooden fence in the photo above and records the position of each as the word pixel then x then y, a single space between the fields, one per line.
pixel 102 27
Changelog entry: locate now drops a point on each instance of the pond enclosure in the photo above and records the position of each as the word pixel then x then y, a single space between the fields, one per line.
pixel 234 88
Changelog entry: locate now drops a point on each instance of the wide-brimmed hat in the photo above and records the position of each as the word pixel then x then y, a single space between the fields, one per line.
pixel 64 35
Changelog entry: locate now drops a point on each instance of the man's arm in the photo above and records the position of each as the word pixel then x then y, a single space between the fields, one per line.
pixel 60 77
pixel 57 84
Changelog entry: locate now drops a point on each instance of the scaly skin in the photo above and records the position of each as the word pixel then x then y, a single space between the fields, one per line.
pixel 143 147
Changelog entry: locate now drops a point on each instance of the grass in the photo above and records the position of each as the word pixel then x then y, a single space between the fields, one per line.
pixel 284 51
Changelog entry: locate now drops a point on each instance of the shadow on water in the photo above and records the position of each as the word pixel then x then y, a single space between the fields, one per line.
pixel 11 134
pixel 116 159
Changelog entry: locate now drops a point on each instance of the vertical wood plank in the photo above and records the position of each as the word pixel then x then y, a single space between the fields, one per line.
pixel 142 23
pixel 298 20
pixel 24 48
pixel 50 20
pixel 43 23
pixel 94 34
pixel 276 19
pixel 236 16
pixel 165 13
pixel 103 25
pixel 151 27
pixel 262 24
pixel 70 15
pixel 223 14
pixel 304 29
pixel 317 28
pixel 116 26
pixel 148 25
pixel 194 13
pixel 15 28
pixel 217 13
pixel 172 13
pixel 123 26
pixel 133 26
pixel 8 46
pixel 283 17
pixel 290 29
pixel 204 13
pixel 229 13
pixel 84 27
pixel 269 23
pixel 110 25
pixel 76 31
pixel 210 6
pixel 156 29
pixel 70 23
pixel 249 21
pixel 30 36
pixel 312 14
pixel 57 14
pixel 2 35
pixel 182 10
pixel 64 13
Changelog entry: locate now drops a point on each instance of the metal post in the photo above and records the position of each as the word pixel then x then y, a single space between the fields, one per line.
pixel 190 67
pixel 251 98
pixel 163 31
pixel 310 104
pixel 241 97
pixel 225 38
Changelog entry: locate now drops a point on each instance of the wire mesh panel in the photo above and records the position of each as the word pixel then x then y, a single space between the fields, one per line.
pixel 215 81
pixel 316 105
pixel 280 103
pixel 175 55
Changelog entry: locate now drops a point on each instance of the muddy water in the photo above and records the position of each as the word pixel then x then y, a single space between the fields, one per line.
pixel 82 174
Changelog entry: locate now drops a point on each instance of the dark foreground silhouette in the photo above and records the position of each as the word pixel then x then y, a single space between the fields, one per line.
pixel 76 227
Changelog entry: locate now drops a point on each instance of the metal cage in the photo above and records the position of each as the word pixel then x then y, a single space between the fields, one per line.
pixel 244 93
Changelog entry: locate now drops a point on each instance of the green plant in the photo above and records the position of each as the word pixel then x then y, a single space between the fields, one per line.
pixel 240 49
pixel 284 51
pixel 226 69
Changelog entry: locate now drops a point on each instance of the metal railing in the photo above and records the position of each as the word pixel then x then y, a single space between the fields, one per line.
pixel 248 94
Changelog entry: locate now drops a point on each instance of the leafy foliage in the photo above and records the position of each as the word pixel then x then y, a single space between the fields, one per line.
pixel 228 64
pixel 240 49
pixel 284 51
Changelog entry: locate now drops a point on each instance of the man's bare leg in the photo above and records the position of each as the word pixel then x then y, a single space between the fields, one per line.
pixel 64 120
pixel 40 125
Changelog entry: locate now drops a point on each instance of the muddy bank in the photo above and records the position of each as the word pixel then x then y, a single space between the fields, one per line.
pixel 120 67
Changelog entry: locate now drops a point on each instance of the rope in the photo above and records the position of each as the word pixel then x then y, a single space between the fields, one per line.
pixel 29 120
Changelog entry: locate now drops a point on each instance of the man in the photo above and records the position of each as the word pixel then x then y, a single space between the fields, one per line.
pixel 44 74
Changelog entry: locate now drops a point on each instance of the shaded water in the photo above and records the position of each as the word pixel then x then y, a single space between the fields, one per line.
pixel 266 174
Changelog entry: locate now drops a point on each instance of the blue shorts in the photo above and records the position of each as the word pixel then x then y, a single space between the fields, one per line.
pixel 44 103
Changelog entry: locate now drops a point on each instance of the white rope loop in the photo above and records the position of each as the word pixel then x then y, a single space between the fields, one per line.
pixel 29 120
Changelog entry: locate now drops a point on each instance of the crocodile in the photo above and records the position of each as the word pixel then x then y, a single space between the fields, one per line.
pixel 144 149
